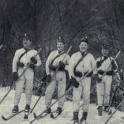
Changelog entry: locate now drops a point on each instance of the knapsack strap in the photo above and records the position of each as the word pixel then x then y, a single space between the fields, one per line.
pixel 81 59
pixel 56 57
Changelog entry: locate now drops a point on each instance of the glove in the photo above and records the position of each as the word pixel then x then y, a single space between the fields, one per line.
pixel 97 78
pixel 98 64
pixel 53 68
pixel 32 66
pixel 114 67
pixel 77 73
pixel 20 64
pixel 15 76
pixel 61 65
pixel 48 78
pixel 74 82
pixel 101 72
pixel 33 60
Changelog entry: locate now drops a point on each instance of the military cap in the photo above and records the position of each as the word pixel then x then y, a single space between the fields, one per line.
pixel 84 39
pixel 105 46
pixel 60 39
pixel 27 37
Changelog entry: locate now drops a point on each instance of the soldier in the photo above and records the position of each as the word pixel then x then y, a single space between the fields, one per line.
pixel 81 63
pixel 25 58
pixel 55 70
pixel 106 67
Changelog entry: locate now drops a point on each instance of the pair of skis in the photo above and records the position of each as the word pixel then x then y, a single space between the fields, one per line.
pixel 53 115
pixel 15 114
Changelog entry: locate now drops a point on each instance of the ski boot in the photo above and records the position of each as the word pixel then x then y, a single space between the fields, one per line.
pixel 100 111
pixel 15 109
pixel 56 113
pixel 106 109
pixel 59 110
pixel 48 110
pixel 82 121
pixel 27 110
pixel 75 118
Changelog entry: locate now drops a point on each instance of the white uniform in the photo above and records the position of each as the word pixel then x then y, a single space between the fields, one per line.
pixel 26 80
pixel 86 65
pixel 58 78
pixel 104 88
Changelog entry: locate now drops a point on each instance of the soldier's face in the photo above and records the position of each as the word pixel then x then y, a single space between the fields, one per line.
pixel 60 46
pixel 83 46
pixel 26 43
pixel 105 52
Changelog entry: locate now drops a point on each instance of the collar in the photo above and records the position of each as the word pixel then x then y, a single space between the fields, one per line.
pixel 60 52
pixel 84 53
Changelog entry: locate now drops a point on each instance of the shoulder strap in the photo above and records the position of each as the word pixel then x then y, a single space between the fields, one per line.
pixel 57 57
pixel 81 59
pixel 103 59
pixel 23 54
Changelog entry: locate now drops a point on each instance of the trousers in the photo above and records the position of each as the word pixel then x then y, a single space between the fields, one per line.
pixel 84 91
pixel 58 79
pixel 25 81
pixel 103 91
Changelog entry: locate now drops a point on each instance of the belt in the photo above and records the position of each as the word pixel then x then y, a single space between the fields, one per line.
pixel 21 65
pixel 79 74
pixel 101 72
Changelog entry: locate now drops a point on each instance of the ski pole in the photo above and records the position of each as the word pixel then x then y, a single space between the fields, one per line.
pixel 1 46
pixel 114 111
pixel 17 79
pixel 37 100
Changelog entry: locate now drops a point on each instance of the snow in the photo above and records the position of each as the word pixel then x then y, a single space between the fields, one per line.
pixel 64 118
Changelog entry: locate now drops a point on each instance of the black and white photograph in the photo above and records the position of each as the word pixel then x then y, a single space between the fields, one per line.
pixel 61 61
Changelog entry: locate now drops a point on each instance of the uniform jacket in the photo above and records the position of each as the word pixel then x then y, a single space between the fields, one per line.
pixel 106 65
pixel 86 65
pixel 64 58
pixel 25 58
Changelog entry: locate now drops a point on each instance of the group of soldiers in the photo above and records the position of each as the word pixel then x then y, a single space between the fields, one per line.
pixel 81 66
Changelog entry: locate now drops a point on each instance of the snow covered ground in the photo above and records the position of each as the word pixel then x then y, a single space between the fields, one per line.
pixel 64 118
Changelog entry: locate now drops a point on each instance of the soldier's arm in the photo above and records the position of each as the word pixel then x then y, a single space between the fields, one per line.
pixel 49 59
pixel 115 65
pixel 71 66
pixel 38 60
pixel 67 62
pixel 15 60
pixel 93 64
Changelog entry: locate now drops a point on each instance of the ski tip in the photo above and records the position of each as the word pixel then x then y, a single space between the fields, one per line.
pixel 5 119
pixel 31 111
pixel 51 115
pixel 31 122
pixel 34 114
pixel 25 117
pixel 110 112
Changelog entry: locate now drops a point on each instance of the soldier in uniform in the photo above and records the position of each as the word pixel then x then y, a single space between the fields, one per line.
pixel 55 69
pixel 81 65
pixel 106 67
pixel 26 59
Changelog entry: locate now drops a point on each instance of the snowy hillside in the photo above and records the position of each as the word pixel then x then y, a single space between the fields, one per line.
pixel 64 118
